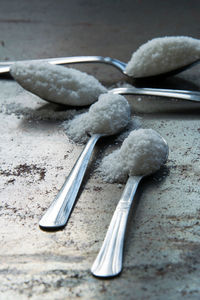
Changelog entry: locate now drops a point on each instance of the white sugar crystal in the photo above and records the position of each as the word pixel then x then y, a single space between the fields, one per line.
pixel 163 54
pixel 109 115
pixel 142 153
pixel 57 83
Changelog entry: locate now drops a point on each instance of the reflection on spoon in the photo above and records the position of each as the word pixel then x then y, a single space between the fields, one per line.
pixel 158 57
pixel 109 115
pixel 153 152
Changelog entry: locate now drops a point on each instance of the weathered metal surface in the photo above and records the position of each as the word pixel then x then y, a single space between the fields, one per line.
pixel 161 258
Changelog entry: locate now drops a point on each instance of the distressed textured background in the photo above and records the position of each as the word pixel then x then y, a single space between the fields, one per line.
pixel 161 258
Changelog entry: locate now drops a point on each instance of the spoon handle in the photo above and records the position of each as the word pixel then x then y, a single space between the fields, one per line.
pixel 193 96
pixel 5 66
pixel 58 213
pixel 108 262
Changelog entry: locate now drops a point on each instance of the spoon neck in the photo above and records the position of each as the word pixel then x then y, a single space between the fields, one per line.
pixel 130 188
pixel 116 63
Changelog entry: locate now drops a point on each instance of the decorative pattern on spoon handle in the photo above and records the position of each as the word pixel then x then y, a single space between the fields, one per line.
pixel 109 260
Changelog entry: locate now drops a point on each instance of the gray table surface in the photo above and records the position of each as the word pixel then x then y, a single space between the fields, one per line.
pixel 161 257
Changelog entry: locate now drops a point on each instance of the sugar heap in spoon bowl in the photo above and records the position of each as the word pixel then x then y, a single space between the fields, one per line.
pixel 142 153
pixel 109 115
pixel 163 54
pixel 57 83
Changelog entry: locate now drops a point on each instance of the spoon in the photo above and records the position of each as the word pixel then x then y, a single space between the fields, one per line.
pixel 85 88
pixel 108 122
pixel 108 262
pixel 121 66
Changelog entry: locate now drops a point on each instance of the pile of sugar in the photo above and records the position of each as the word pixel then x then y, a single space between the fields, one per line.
pixel 109 115
pixel 142 153
pixel 163 54
pixel 57 83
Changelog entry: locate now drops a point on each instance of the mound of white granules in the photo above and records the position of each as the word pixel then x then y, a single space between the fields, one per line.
pixel 162 55
pixel 142 153
pixel 109 115
pixel 57 83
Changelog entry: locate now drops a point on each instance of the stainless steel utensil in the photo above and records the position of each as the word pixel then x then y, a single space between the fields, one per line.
pixel 121 66
pixel 108 262
pixel 169 93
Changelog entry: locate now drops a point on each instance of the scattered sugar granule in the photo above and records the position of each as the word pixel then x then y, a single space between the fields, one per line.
pixel 57 83
pixel 142 153
pixel 109 115
pixel 38 114
pixel 162 55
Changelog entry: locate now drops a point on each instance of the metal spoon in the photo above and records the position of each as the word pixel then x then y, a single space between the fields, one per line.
pixel 98 121
pixel 180 94
pixel 108 262
pixel 121 66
